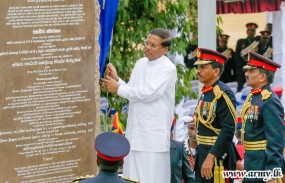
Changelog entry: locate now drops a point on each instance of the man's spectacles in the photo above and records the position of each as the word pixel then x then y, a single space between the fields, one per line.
pixel 153 46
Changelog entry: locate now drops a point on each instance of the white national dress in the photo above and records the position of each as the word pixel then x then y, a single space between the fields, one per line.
pixel 151 92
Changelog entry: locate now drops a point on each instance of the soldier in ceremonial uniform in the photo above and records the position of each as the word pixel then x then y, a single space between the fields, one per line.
pixel 262 119
pixel 264 47
pixel 215 120
pixel 243 46
pixel 229 73
pixel 268 28
pixel 111 148
pixel 190 57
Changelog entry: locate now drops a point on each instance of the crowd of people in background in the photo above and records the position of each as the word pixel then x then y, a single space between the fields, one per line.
pixel 259 42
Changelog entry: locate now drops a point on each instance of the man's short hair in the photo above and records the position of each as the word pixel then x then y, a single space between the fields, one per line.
pixel 269 75
pixel 109 165
pixel 164 35
pixel 218 65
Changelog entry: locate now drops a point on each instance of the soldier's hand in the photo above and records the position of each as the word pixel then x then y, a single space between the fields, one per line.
pixel 207 167
pixel 111 72
pixel 271 181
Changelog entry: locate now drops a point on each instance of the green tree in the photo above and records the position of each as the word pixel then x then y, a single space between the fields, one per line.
pixel 135 18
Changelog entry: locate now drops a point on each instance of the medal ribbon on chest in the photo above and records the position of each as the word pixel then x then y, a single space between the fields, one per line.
pixel 206 107
pixel 256 112
pixel 253 112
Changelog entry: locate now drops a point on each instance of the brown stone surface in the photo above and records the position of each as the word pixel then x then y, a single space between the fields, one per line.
pixel 49 92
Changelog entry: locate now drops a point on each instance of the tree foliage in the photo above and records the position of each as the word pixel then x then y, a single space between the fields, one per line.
pixel 135 18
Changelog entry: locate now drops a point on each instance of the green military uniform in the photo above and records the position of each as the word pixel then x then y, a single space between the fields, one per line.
pixel 221 128
pixel 241 61
pixel 229 73
pixel 241 54
pixel 215 123
pixel 262 131
pixel 263 48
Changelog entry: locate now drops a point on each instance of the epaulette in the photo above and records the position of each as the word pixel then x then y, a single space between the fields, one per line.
pixel 265 94
pixel 128 179
pixel 80 178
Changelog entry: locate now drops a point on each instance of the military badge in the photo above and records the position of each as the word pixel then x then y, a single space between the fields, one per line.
pixel 253 112
pixel 205 110
pixel 265 94
pixel 250 116
pixel 198 53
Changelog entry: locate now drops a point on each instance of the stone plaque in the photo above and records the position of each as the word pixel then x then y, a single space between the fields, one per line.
pixel 47 90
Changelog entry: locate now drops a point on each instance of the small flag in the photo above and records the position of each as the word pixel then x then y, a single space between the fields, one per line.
pixel 173 123
pixel 116 127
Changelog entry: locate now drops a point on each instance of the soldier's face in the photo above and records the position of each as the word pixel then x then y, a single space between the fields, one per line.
pixel 253 78
pixel 192 132
pixel 206 74
pixel 268 27
pixel 250 33
pixel 222 43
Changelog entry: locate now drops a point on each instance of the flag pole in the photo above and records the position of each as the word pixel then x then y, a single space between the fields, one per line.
pixel 107 96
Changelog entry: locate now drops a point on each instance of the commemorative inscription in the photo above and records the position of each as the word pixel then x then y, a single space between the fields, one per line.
pixel 47 97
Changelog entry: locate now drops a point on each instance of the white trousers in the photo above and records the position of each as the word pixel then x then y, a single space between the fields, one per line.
pixel 148 167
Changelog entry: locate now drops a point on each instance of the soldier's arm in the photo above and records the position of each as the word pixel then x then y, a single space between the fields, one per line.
pixel 273 116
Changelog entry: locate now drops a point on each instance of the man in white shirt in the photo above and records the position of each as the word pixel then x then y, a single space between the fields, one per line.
pixel 151 92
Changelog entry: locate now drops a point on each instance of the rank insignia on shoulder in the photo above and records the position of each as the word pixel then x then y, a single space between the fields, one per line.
pixel 128 179
pixel 265 94
pixel 217 92
pixel 80 178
